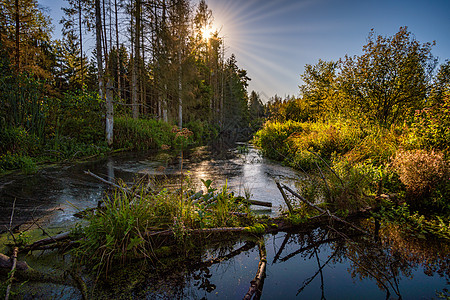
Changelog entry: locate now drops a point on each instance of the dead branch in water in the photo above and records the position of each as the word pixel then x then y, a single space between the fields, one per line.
pixel 257 283
pixel 323 211
pixel 13 270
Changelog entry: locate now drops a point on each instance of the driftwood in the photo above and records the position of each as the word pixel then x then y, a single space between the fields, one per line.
pixel 111 183
pixel 170 232
pixel 257 282
pixel 259 203
pixel 253 202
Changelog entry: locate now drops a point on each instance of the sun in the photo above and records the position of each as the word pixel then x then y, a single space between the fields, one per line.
pixel 206 32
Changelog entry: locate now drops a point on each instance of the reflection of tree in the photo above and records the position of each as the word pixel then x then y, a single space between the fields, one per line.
pixel 395 257
pixel 188 274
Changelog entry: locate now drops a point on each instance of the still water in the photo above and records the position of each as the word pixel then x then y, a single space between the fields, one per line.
pixel 56 193
pixel 316 264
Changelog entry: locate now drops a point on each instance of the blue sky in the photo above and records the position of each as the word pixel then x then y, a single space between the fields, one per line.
pixel 274 40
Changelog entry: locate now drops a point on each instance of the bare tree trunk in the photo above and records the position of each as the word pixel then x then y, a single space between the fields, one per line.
pixel 135 97
pixel 81 44
pixel 105 39
pixel 109 104
pixel 109 112
pixel 180 100
pixel 117 51
pixel 16 4
pixel 98 31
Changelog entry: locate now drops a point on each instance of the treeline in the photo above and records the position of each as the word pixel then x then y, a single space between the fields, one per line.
pixel 379 120
pixel 159 60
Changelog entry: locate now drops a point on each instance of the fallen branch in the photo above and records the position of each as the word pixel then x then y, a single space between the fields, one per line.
pixel 13 270
pixel 7 263
pixel 198 231
pixel 47 241
pixel 328 166
pixel 288 203
pixel 256 283
pixel 110 183
pixel 323 211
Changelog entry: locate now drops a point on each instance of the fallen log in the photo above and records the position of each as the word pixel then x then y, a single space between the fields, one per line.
pixel 259 203
pixel 286 200
pixel 57 238
pixel 256 283
pixel 7 263
pixel 13 270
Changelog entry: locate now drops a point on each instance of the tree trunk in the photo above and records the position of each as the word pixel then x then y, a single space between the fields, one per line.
pixel 98 32
pixel 81 45
pixel 16 4
pixel 117 51
pixel 109 112
pixel 136 58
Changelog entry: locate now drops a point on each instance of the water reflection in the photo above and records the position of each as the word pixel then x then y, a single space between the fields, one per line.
pixel 325 263
pixel 56 193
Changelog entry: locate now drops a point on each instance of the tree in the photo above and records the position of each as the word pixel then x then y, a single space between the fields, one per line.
pixel 25 33
pixel 390 79
pixel 319 90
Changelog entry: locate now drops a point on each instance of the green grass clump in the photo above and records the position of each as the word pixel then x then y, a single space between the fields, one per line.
pixel 141 134
pixel 127 226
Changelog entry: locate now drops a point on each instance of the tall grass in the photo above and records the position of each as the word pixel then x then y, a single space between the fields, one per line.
pixel 141 134
pixel 121 230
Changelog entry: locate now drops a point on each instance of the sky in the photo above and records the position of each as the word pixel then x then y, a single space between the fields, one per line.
pixel 274 40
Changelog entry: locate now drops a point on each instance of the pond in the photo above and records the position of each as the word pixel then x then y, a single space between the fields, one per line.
pixel 327 262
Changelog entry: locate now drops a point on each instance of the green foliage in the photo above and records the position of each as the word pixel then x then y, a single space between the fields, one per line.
pixel 414 223
pixel 24 104
pixel 431 127
pixel 141 134
pixel 272 138
pixel 119 231
pixel 389 80
pixel 10 161
pixel 79 115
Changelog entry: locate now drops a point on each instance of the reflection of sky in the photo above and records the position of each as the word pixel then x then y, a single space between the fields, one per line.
pixel 67 189
pixel 285 277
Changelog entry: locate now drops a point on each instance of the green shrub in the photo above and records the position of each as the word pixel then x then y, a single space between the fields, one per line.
pixel 18 140
pixel 431 128
pixel 15 161
pixel 141 134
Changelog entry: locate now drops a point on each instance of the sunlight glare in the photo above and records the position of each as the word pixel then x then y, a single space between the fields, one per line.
pixel 206 32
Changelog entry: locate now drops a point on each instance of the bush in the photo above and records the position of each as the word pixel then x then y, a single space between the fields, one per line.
pixel 431 128
pixel 10 161
pixel 140 134
pixel 272 138
pixel 421 171
pixel 18 140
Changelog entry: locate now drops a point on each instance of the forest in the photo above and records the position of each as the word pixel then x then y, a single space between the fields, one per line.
pixel 154 65
pixel 369 134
